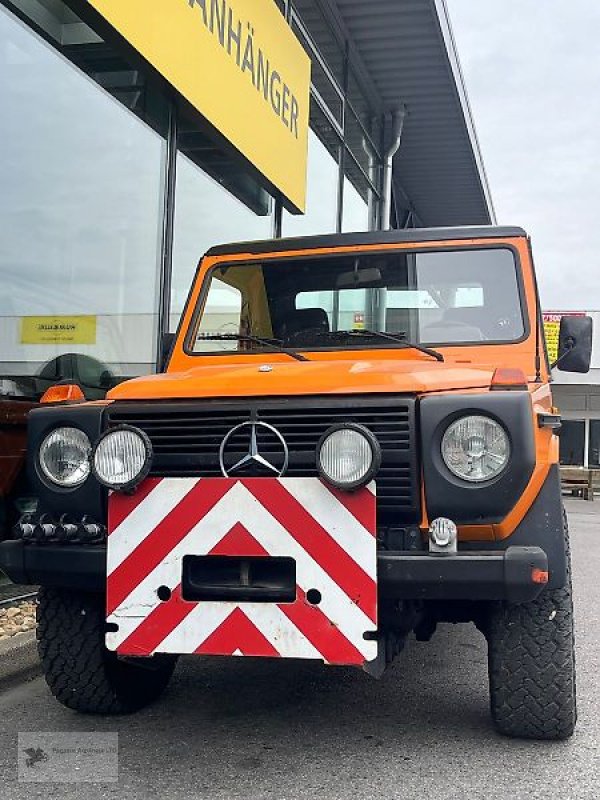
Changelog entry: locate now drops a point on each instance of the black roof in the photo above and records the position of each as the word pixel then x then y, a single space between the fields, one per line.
pixel 416 235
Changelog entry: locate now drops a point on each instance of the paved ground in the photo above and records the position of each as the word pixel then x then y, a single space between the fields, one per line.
pixel 271 730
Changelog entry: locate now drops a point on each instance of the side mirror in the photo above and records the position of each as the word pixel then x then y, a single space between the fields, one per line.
pixel 574 344
pixel 166 345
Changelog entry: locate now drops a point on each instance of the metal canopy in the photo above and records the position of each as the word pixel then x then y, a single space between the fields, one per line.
pixel 403 53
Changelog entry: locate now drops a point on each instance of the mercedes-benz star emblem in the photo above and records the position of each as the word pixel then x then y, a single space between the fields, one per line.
pixel 244 438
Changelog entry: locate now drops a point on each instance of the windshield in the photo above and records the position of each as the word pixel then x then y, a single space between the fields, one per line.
pixel 428 298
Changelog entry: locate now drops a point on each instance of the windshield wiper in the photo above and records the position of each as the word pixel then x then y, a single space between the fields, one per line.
pixel 275 344
pixel 399 338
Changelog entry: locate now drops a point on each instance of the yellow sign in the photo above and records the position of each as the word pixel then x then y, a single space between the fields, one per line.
pixel 239 64
pixel 58 330
pixel 552 329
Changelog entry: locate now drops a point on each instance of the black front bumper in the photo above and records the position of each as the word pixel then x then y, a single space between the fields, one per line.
pixel 516 575
pixel 72 566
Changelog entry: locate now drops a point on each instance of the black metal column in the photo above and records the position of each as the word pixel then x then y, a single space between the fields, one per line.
pixel 166 247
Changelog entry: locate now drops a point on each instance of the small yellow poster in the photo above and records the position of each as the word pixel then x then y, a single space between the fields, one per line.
pixel 58 330
pixel 552 329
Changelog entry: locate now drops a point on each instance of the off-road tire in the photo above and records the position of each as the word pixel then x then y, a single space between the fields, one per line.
pixel 81 673
pixel 531 660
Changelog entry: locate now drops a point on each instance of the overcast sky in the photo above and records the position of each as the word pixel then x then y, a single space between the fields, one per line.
pixel 532 69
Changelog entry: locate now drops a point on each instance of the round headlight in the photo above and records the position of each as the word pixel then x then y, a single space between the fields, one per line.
pixel 122 458
pixel 475 448
pixel 348 456
pixel 64 457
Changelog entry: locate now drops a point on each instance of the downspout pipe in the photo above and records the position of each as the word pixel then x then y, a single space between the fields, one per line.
pixel 397 127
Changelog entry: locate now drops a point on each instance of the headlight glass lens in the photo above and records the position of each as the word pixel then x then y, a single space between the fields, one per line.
pixel 346 457
pixel 475 448
pixel 121 457
pixel 64 457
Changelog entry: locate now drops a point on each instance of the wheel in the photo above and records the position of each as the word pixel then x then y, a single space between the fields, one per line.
pixel 531 661
pixel 81 673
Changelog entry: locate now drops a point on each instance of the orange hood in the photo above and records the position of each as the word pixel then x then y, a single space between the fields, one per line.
pixel 305 378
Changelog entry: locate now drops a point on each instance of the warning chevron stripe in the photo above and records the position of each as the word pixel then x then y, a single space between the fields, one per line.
pixel 237 633
pixel 156 626
pixel 119 508
pixel 238 542
pixel 319 544
pixel 308 620
pixel 169 532
pixel 356 506
pixel 354 538
pixel 296 517
pixel 147 512
pixel 240 503
pixel 322 633
pixel 274 539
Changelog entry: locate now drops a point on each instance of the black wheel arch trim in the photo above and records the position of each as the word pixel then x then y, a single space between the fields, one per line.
pixel 542 526
pixel 466 502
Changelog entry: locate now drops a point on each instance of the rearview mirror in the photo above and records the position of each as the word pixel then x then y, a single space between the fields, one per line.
pixel 358 278
pixel 574 344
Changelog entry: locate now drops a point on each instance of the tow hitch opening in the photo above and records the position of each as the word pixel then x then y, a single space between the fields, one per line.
pixel 256 579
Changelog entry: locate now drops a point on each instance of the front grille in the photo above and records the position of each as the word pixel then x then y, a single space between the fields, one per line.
pixel 186 437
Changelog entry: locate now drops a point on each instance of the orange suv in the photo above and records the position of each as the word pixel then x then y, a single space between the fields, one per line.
pixel 353 439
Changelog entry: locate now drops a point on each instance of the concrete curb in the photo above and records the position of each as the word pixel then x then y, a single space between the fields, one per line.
pixel 18 659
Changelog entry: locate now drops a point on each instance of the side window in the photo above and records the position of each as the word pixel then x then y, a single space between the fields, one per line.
pixel 222 314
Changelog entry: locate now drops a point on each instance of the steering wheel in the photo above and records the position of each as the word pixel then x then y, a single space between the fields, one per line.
pixel 506 327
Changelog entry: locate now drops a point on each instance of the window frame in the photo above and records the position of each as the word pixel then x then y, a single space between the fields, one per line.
pixel 189 335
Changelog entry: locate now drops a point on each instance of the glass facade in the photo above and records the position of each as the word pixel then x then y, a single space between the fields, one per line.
pixel 205 215
pixel 321 194
pixel 356 212
pixel 112 194
pixel 80 214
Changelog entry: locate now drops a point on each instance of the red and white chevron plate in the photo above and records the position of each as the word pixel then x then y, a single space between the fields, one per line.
pixel 331 536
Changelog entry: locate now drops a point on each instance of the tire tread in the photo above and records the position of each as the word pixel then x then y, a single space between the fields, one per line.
pixel 81 673
pixel 531 659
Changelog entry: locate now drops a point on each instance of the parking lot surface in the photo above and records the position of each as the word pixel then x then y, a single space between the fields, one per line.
pixel 250 729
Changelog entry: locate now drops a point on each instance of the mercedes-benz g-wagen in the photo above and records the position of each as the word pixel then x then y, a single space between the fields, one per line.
pixel 353 439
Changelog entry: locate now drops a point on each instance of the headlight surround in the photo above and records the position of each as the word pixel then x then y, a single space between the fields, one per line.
pixel 476 448
pixel 122 458
pixel 64 457
pixel 348 456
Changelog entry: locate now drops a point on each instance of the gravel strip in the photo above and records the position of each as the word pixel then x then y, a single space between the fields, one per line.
pixel 17 619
